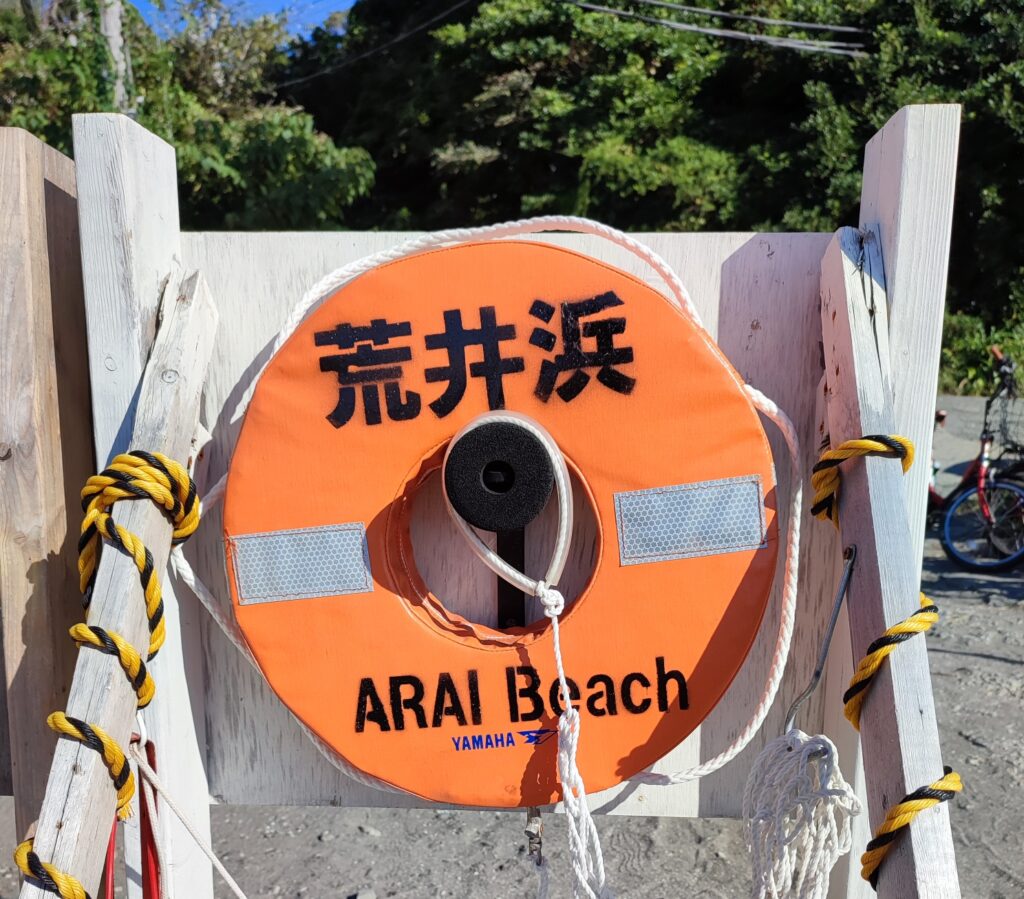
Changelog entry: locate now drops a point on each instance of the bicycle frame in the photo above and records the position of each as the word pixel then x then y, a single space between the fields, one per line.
pixel 976 475
pixel 987 482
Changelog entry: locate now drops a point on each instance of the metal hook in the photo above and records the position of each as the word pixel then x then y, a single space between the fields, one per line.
pixel 850 555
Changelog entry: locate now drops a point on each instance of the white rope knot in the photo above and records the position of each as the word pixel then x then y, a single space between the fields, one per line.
pixel 569 737
pixel 551 599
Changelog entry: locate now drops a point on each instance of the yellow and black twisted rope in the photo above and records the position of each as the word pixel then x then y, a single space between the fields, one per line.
pixel 825 480
pixel 825 475
pixel 96 738
pixel 114 644
pixel 876 653
pixel 135 475
pixel 900 815
pixel 898 818
pixel 46 875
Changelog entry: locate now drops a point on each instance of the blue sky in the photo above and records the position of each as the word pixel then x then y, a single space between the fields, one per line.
pixel 302 14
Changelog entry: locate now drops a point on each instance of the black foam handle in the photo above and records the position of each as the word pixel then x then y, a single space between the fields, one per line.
pixel 498 476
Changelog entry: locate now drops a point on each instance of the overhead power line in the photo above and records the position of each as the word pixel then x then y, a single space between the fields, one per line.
pixel 327 70
pixel 744 17
pixel 810 46
pixel 807 46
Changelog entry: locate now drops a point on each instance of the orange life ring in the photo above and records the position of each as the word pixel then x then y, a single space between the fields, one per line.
pixel 359 406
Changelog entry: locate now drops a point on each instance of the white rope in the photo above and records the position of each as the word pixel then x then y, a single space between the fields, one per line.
pixel 798 810
pixel 787 616
pixel 150 776
pixel 331 282
pixel 587 854
pixel 229 627
pixel 165 885
pixel 157 831
pixel 563 495
pixel 584 843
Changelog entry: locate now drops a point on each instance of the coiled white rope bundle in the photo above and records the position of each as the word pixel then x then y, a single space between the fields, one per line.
pixel 583 836
pixel 798 809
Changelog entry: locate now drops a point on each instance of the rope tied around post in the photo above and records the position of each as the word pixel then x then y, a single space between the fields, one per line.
pixel 113 644
pixel 898 818
pixel 135 475
pixel 918 623
pixel 48 877
pixel 825 477
pixel 97 739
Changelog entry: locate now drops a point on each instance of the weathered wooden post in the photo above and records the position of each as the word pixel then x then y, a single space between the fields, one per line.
pixel 131 247
pixel 899 731
pixel 45 437
pixel 74 823
pixel 907 202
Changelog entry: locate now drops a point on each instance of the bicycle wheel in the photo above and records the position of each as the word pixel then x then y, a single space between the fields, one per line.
pixel 979 543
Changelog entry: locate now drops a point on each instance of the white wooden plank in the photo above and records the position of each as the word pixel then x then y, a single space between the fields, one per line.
pixel 74 824
pixel 130 242
pixel 845 881
pixel 130 247
pixel 770 328
pixel 45 446
pixel 900 741
pixel 257 753
pixel 907 201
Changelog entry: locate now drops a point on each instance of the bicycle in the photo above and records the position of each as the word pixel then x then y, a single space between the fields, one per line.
pixel 983 517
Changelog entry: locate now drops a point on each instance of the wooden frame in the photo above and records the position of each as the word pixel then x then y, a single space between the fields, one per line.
pixel 76 815
pixel 131 251
pixel 903 751
pixel 759 295
pixel 45 432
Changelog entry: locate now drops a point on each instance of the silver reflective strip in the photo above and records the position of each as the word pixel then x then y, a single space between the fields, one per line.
pixel 301 564
pixel 703 519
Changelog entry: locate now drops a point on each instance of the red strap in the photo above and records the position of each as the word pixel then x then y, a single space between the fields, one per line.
pixel 150 861
pixel 108 865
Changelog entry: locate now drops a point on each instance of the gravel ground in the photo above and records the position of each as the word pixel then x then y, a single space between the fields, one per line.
pixel 977 663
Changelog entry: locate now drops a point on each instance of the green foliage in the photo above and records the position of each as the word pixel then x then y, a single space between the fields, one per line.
pixel 423 115
pixel 271 170
pixel 44 76
pixel 967 365
pixel 244 161
pixel 934 51
pixel 519 107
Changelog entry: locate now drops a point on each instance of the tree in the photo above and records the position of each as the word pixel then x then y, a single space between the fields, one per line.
pixel 926 51
pixel 515 107
pixel 244 161
pixel 969 52
pixel 446 112
pixel 519 107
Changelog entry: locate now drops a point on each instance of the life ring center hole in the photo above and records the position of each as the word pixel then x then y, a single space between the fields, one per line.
pixel 463 584
pixel 498 477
